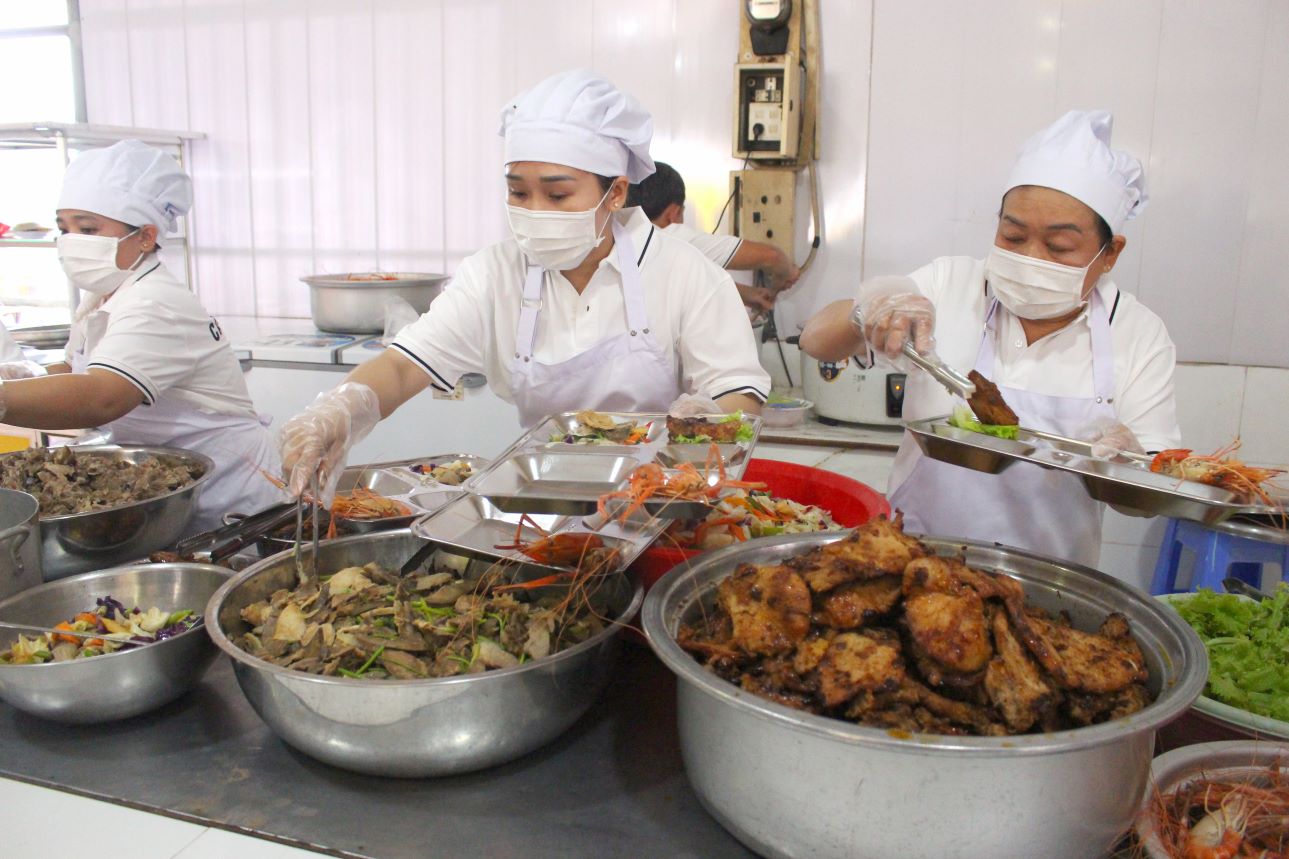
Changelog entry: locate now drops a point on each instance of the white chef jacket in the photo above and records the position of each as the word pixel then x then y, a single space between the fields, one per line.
pixel 10 351
pixel 720 249
pixel 693 308
pixel 1059 364
pixel 155 334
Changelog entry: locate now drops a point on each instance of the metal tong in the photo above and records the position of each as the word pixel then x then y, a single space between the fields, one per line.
pixel 953 381
pixel 40 630
pixel 299 534
pixel 238 533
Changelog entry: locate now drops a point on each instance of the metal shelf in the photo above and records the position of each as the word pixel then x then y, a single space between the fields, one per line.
pixel 46 135
pixel 66 136
pixel 27 243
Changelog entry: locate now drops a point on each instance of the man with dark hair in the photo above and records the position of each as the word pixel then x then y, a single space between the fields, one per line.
pixel 662 197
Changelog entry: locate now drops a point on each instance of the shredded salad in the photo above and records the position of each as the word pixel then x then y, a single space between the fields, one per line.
pixel 963 418
pixel 1248 648
pixel 119 628
pixel 748 514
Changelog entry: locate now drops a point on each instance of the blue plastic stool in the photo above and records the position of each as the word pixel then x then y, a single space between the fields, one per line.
pixel 1236 549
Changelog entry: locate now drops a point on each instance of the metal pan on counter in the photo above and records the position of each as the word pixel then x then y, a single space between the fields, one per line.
pixel 788 783
pixel 1125 481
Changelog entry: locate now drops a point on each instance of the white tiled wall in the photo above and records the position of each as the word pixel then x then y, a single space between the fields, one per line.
pixel 361 133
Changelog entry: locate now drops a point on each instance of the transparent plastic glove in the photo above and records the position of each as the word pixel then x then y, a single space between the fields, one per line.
pixel 20 370
pixel 890 321
pixel 1110 438
pixel 318 440
pixel 691 406
pixel 398 315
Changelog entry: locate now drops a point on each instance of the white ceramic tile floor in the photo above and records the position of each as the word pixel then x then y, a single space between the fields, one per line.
pixel 36 821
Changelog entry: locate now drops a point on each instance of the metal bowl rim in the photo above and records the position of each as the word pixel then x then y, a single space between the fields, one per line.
pixel 199 458
pixel 340 280
pixel 151 647
pixel 1180 696
pixel 224 643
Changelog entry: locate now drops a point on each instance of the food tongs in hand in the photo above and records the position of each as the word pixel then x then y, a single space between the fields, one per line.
pixel 953 381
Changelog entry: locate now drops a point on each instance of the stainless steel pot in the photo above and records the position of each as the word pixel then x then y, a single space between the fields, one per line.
pixel 115 685
pixel 19 545
pixel 413 728
pixel 79 542
pixel 358 306
pixel 789 784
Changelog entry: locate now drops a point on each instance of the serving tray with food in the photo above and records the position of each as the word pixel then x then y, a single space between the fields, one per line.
pixel 584 462
pixel 1175 483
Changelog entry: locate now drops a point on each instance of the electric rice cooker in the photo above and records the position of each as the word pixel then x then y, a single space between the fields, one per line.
pixel 844 391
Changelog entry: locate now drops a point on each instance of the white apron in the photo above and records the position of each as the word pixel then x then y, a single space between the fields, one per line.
pixel 1042 510
pixel 627 372
pixel 240 446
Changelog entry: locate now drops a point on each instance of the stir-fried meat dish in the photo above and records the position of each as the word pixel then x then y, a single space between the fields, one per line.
pixel 875 629
pixel 65 481
pixel 703 429
pixel 987 402
pixel 368 623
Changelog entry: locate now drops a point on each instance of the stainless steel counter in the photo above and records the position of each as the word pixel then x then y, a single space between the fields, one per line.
pixel 613 786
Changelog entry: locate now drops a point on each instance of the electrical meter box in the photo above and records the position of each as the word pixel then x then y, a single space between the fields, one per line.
pixel 767 121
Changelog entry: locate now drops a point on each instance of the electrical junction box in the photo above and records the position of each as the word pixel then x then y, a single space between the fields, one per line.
pixel 766 206
pixel 767 121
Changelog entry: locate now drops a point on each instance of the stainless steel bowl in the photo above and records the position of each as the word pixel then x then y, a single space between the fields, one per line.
pixel 358 306
pixel 121 684
pixel 791 784
pixel 413 728
pixel 79 542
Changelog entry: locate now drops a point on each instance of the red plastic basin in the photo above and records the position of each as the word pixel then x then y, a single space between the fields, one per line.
pixel 850 502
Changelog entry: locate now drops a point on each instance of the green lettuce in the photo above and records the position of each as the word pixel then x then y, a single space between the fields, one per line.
pixel 962 418
pixel 1248 648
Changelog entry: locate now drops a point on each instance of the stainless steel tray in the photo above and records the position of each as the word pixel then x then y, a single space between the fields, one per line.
pixel 568 482
pixel 409 466
pixel 1125 481
pixel 536 475
pixel 566 423
pixel 472 525
pixel 395 481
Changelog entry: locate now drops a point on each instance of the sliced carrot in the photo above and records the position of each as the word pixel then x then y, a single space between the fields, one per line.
pixel 69 638
pixel 88 617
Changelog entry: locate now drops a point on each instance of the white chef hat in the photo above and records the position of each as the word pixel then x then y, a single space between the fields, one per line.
pixel 1073 155
pixel 130 182
pixel 579 119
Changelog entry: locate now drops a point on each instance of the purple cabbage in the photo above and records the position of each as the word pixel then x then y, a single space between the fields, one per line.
pixel 111 604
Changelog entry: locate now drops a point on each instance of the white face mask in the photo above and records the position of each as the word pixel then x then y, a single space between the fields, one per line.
pixel 556 241
pixel 1034 288
pixel 90 261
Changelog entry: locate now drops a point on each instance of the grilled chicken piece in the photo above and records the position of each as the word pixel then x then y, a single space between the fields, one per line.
pixel 769 607
pixel 726 431
pixel 987 402
pixel 1013 681
pixel 764 687
pixel 810 651
pixel 945 616
pixel 855 663
pixel 1087 709
pixel 1085 661
pixel 858 603
pixel 877 548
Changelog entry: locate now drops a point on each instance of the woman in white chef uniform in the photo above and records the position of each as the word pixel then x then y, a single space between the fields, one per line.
pixel 587 305
pixel 145 360
pixel 1039 316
